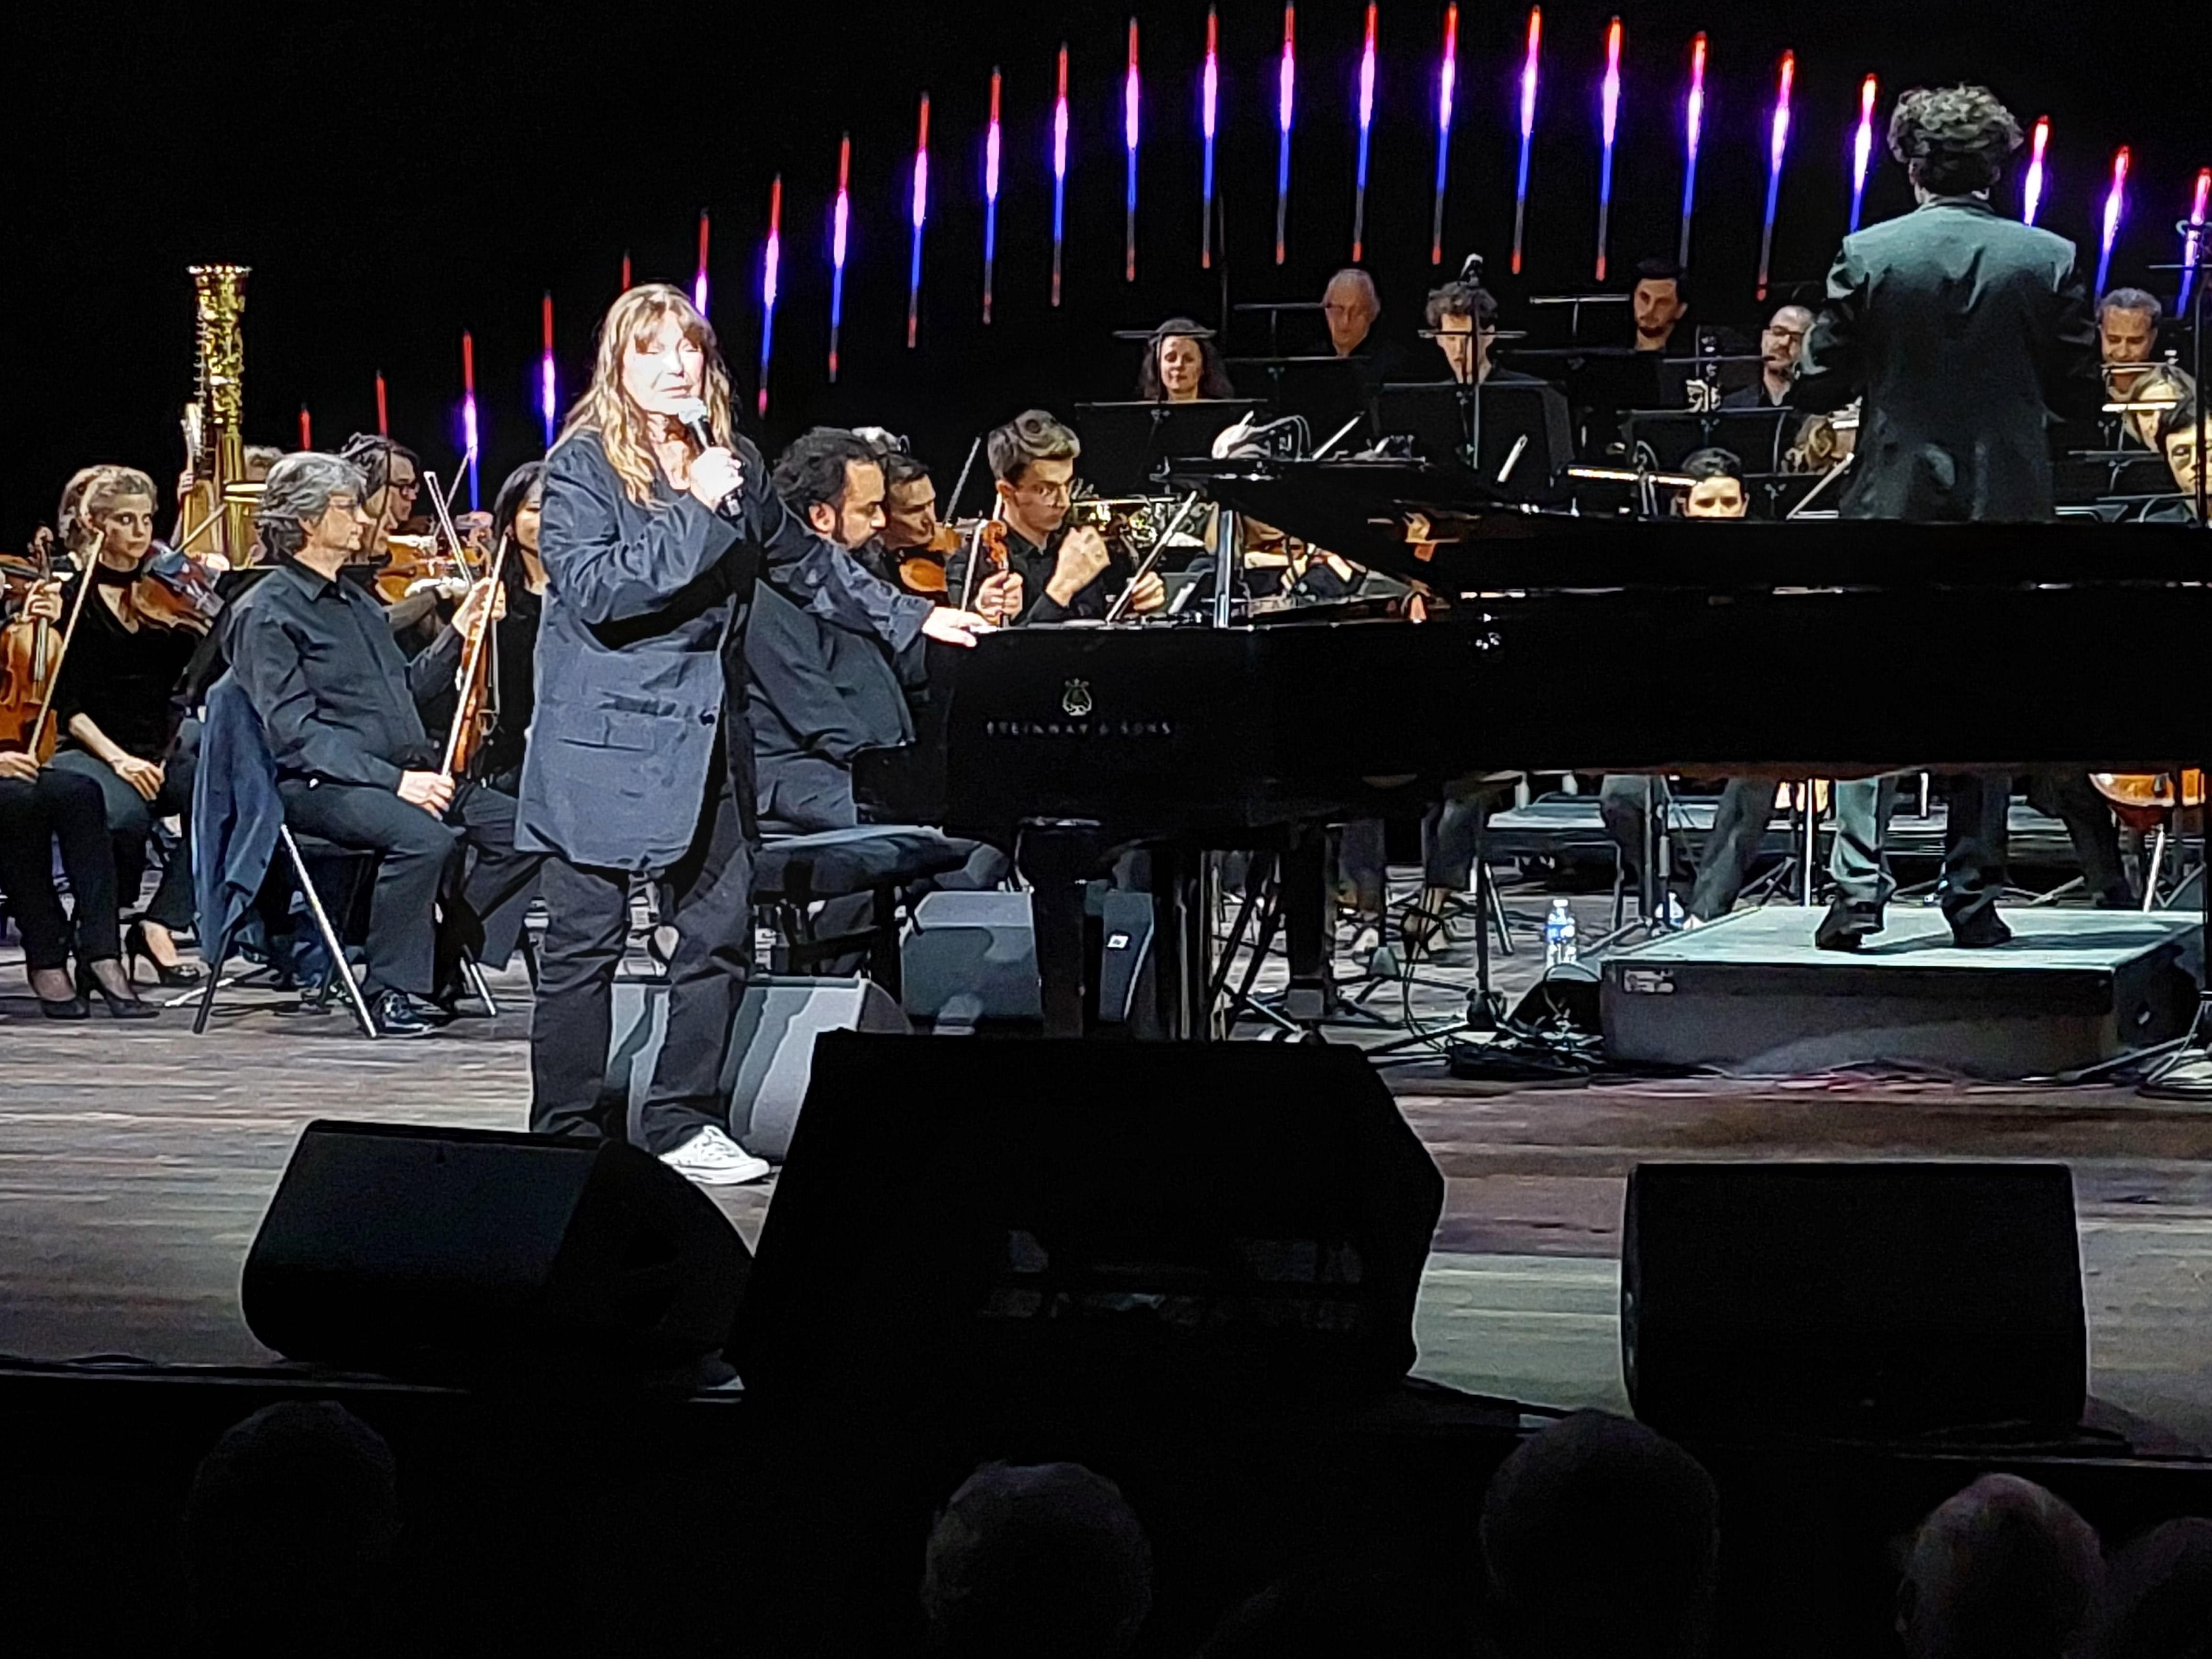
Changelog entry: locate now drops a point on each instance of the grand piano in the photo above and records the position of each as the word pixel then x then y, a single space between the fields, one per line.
pixel 1808 649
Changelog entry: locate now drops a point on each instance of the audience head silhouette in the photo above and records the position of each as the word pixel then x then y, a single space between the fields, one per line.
pixel 2004 1570
pixel 2158 1596
pixel 288 1526
pixel 1036 1560
pixel 1600 1540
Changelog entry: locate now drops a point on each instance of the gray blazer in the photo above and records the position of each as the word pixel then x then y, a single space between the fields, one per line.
pixel 1961 328
pixel 644 604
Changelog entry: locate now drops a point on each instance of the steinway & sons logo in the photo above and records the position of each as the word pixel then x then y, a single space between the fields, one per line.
pixel 1075 699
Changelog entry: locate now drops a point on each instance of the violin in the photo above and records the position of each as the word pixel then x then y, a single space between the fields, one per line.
pixel 921 569
pixel 174 590
pixel 31 659
pixel 477 712
pixel 412 559
pixel 986 537
pixel 2141 800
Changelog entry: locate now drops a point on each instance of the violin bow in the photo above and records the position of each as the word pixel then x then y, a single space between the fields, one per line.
pixel 443 500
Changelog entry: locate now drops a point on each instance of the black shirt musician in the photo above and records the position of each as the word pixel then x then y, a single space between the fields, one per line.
pixel 341 707
pixel 1064 575
pixel 1962 330
pixel 1780 344
pixel 640 758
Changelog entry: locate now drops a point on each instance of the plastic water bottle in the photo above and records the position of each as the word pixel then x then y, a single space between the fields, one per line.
pixel 1558 936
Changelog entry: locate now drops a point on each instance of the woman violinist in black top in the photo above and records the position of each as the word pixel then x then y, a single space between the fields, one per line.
pixel 515 521
pixel 113 702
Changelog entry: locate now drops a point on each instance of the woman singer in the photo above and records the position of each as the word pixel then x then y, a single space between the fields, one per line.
pixel 657 521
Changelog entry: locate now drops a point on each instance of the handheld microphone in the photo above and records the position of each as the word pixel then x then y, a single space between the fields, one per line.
pixel 691 416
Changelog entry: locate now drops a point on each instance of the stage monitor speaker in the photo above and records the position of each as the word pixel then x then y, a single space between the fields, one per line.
pixel 968 1224
pixel 468 1253
pixel 971 956
pixel 1851 1298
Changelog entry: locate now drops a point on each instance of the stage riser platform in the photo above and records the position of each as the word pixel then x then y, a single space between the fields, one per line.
pixel 1751 995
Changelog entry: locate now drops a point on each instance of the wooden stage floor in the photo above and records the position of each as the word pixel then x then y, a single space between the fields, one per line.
pixel 135 1160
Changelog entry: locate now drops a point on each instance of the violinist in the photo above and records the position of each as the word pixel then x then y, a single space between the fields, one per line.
pixel 1065 574
pixel 41 806
pixel 115 711
pixel 399 568
pixel 514 519
pixel 1182 366
pixel 913 543
pixel 355 764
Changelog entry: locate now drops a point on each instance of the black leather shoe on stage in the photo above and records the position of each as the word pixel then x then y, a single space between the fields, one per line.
pixel 1846 926
pixel 1980 931
pixel 135 950
pixel 395 1015
pixel 126 1005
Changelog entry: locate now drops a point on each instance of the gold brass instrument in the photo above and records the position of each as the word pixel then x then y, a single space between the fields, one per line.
pixel 217 515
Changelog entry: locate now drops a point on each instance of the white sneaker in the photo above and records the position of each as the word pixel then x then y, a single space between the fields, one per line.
pixel 713 1159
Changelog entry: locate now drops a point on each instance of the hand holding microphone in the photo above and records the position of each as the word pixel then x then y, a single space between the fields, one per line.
pixel 716 477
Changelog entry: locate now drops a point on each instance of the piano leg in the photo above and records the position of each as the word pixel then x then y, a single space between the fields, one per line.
pixel 1056 858
pixel 1307 934
pixel 1185 894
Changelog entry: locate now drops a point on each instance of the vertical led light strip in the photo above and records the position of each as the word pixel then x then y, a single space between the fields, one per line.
pixel 1129 148
pixel 1777 145
pixel 1862 148
pixel 2031 201
pixel 625 285
pixel 1366 122
pixel 1286 86
pixel 2192 239
pixel 2115 200
pixel 699 282
pixel 1059 171
pixel 1209 105
pixel 1693 128
pixel 840 219
pixel 469 411
pixel 383 414
pixel 306 429
pixel 1528 129
pixel 548 397
pixel 1608 123
pixel 1447 84
pixel 771 268
pixel 917 216
pixel 991 196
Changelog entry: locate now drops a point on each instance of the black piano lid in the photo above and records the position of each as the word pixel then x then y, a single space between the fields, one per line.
pixel 1358 509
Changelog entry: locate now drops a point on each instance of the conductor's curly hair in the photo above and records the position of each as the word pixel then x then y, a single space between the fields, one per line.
pixel 1955 140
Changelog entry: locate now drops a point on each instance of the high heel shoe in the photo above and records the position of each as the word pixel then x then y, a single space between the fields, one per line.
pixel 136 950
pixel 61 1007
pixel 118 1007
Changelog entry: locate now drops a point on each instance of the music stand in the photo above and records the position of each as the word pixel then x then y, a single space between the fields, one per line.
pixel 1756 437
pixel 1124 442
pixel 1514 435
pixel 1328 391
pixel 1601 380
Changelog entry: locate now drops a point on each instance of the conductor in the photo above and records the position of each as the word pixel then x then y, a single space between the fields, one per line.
pixel 1959 329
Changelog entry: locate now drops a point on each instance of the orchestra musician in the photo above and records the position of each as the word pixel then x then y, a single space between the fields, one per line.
pixel 1961 329
pixel 114 710
pixel 1780 344
pixel 1064 573
pixel 818 693
pixel 514 522
pixel 1657 302
pixel 2156 389
pixel 42 807
pixel 2127 337
pixel 342 710
pixel 1182 365
pixel 641 754
pixel 2181 435
pixel 1462 318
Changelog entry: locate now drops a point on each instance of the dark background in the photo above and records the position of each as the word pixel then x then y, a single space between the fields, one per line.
pixel 396 175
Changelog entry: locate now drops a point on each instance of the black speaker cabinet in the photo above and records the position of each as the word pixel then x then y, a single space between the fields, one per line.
pixel 1001 1224
pixel 1851 1298
pixel 442 1252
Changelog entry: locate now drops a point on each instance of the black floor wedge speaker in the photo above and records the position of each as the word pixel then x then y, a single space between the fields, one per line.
pixel 1852 1298
pixel 1000 1223
pixel 429 1252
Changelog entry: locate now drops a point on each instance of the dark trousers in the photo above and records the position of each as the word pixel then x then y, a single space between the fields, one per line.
pixel 587 925
pixel 803 795
pixel 420 867
pixel 2071 799
pixel 1724 862
pixel 130 818
pixel 58 807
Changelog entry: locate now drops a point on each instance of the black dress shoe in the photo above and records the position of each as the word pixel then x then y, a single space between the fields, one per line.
pixel 89 990
pixel 1980 931
pixel 395 1015
pixel 135 950
pixel 1846 926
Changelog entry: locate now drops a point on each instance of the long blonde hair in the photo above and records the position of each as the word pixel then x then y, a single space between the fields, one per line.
pixel 607 411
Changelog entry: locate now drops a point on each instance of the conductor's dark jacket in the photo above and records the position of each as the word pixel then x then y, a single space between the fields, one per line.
pixel 643 600
pixel 1962 330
